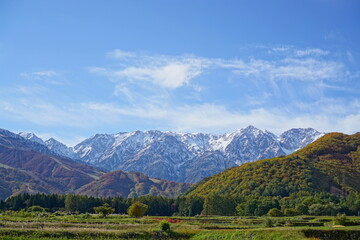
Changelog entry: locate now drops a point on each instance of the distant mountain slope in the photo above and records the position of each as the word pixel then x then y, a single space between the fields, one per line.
pixel 330 164
pixel 181 157
pixel 28 166
pixel 131 184
pixel 188 157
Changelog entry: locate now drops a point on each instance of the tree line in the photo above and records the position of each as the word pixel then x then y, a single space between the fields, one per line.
pixel 299 203
pixel 70 203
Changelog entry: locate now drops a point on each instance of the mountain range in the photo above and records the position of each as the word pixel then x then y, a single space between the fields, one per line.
pixel 30 166
pixel 180 157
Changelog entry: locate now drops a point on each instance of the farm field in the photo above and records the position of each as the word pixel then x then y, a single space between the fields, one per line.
pixel 29 226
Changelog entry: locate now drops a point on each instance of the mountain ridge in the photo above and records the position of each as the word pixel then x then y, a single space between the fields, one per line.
pixel 178 156
pixel 30 167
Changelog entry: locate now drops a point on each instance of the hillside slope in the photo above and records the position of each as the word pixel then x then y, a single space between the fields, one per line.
pixel 29 167
pixel 131 184
pixel 331 164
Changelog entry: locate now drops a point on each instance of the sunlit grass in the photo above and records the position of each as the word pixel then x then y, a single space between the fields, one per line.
pixel 90 226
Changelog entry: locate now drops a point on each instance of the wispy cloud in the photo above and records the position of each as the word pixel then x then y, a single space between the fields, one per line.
pixel 186 93
pixel 156 74
pixel 161 71
pixel 39 74
pixel 117 53
pixel 311 52
pixel 324 116
pixel 48 76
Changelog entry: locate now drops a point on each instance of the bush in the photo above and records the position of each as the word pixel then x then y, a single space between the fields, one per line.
pixel 268 222
pixel 274 212
pixel 290 212
pixel 340 219
pixel 137 209
pixel 36 209
pixel 164 226
pixel 104 210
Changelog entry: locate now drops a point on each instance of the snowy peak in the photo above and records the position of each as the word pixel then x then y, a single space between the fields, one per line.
pixel 60 149
pixel 94 147
pixel 297 138
pixel 252 144
pixel 32 137
pixel 54 146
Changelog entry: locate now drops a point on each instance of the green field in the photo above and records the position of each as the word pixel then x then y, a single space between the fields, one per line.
pixel 23 225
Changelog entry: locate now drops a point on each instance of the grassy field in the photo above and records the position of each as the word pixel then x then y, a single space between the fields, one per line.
pixel 23 225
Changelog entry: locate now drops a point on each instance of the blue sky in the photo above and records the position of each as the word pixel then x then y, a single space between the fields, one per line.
pixel 70 69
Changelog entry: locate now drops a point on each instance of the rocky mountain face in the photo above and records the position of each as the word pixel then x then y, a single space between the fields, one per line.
pixel 32 167
pixel 185 157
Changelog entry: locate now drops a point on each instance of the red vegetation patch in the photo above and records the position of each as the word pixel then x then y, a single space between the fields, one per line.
pixel 170 220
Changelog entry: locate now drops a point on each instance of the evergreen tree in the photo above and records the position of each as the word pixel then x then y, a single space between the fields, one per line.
pixel 70 203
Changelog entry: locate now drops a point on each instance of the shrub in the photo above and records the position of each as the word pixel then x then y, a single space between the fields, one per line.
pixel 104 210
pixel 274 212
pixel 268 222
pixel 164 226
pixel 290 212
pixel 137 209
pixel 36 209
pixel 340 219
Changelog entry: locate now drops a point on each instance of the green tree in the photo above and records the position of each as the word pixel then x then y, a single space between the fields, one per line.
pixel 274 212
pixel 104 210
pixel 137 209
pixel 302 209
pixel 70 203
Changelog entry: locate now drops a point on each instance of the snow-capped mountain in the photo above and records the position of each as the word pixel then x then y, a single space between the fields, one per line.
pixel 182 157
pixel 297 138
pixel 32 137
pixel 51 145
pixel 60 149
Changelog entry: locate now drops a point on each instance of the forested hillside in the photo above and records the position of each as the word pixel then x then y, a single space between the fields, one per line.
pixel 325 172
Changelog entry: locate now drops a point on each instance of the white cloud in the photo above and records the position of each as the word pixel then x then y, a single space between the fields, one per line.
pixel 47 76
pixel 117 53
pixel 172 75
pixel 218 119
pixel 309 69
pixel 39 75
pixel 145 71
pixel 281 49
pixel 145 88
pixel 212 118
pixel 311 51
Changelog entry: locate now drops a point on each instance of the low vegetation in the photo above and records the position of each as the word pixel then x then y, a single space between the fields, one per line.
pixel 61 225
